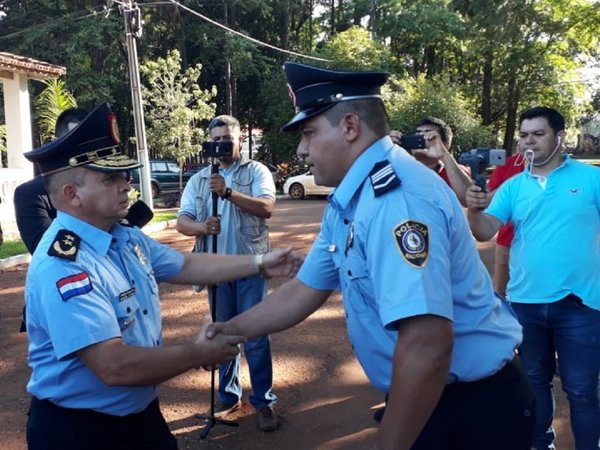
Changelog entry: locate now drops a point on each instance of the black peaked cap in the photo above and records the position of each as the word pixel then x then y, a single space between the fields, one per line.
pixel 314 90
pixel 93 144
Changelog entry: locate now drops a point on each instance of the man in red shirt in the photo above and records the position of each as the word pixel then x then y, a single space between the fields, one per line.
pixel 436 155
pixel 514 165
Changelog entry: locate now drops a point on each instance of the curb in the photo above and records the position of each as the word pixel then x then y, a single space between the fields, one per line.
pixel 13 261
pixel 17 260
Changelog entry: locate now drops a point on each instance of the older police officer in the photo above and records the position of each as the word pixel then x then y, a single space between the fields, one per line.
pixel 421 312
pixel 93 311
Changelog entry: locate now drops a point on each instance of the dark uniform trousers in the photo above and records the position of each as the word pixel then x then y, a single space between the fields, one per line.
pixel 52 427
pixel 495 413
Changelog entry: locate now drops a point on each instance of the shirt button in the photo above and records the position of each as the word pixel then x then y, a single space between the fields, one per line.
pixel 346 221
pixel 350 273
pixel 157 342
pixel 128 309
pixel 145 311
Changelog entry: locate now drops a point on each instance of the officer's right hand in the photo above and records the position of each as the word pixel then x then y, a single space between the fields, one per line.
pixel 476 199
pixel 218 348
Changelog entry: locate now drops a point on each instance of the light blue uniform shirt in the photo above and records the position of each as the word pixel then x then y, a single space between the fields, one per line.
pixel 405 253
pixel 109 291
pixel 556 248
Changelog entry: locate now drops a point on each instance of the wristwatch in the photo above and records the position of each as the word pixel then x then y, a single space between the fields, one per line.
pixel 227 193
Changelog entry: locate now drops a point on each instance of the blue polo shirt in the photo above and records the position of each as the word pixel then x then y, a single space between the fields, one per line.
pixel 556 248
pixel 404 253
pixel 108 289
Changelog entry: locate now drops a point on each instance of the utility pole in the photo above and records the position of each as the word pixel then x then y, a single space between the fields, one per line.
pixel 133 30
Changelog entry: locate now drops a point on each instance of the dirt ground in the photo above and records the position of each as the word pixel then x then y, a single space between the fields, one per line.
pixel 325 401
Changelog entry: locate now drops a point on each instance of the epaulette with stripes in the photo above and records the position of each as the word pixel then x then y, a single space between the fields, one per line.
pixel 383 178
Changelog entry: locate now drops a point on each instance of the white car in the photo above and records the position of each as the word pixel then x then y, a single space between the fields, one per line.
pixel 302 185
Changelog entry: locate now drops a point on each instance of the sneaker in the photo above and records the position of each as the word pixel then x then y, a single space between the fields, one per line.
pixel 221 409
pixel 267 419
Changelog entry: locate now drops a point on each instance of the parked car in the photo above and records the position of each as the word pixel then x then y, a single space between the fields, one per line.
pixel 302 185
pixel 164 177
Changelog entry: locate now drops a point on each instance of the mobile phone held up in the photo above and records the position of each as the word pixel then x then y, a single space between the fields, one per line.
pixel 412 141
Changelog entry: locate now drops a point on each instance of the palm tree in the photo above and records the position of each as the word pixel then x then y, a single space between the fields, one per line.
pixel 51 102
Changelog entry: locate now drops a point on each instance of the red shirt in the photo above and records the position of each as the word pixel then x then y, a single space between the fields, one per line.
pixel 443 173
pixel 514 165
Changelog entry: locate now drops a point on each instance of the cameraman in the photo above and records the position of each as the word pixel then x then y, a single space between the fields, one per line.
pixel 436 155
pixel 246 192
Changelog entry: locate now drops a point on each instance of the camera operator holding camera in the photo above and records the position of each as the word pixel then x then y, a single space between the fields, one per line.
pixel 435 154
pixel 246 192
pixel 554 288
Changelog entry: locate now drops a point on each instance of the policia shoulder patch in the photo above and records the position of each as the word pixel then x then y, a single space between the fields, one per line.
pixel 412 240
pixel 65 245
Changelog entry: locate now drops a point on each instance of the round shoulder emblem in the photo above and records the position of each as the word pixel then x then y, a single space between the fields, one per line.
pixel 412 240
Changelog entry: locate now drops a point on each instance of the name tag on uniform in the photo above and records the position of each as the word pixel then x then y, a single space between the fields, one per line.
pixel 126 294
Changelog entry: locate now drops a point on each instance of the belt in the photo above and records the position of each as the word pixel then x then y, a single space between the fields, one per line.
pixel 511 370
pixel 90 414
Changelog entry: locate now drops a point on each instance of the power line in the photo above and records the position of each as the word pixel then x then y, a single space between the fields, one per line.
pixel 244 36
pixel 55 21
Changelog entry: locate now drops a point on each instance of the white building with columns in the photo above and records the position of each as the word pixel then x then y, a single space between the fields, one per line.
pixel 15 73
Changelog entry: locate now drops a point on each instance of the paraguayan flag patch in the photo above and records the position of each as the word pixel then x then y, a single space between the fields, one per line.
pixel 383 178
pixel 74 285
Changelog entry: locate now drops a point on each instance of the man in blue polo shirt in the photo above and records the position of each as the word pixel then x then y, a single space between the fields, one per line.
pixel 422 315
pixel 554 285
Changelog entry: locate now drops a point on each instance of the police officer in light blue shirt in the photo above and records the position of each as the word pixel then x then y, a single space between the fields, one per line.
pixel 422 316
pixel 93 312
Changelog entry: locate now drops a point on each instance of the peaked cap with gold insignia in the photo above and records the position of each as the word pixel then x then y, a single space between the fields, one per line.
pixel 93 144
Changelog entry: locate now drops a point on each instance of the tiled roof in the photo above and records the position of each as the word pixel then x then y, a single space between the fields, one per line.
pixel 32 67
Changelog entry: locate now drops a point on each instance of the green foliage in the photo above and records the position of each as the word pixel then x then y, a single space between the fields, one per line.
pixel 411 100
pixel 51 102
pixel 274 110
pixel 2 139
pixel 354 49
pixel 12 248
pixel 174 106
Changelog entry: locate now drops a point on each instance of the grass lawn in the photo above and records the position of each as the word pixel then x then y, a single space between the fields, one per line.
pixel 16 247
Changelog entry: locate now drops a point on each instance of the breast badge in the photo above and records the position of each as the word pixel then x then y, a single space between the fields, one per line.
pixel 412 240
pixel 65 245
pixel 141 255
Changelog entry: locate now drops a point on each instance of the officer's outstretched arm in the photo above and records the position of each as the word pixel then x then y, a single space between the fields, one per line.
pixel 209 268
pixel 119 364
pixel 286 306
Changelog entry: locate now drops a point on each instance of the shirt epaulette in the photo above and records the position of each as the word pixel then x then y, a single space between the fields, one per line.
pixel 65 245
pixel 383 178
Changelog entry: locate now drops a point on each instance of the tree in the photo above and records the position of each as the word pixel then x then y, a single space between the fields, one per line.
pixel 410 100
pixel 174 106
pixel 51 102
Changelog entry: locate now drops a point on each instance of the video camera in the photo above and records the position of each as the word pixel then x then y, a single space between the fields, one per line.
pixel 479 159
pixel 218 149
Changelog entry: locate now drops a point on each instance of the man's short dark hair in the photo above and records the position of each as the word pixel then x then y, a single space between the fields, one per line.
pixel 442 127
pixel 554 118
pixel 370 110
pixel 224 121
pixel 68 116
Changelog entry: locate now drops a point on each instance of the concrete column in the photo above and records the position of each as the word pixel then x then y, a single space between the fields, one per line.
pixel 18 121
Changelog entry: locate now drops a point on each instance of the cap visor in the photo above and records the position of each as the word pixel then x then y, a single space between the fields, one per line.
pixel 302 116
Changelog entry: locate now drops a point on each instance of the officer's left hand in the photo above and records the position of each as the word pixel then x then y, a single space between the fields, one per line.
pixel 282 263
pixel 217 184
